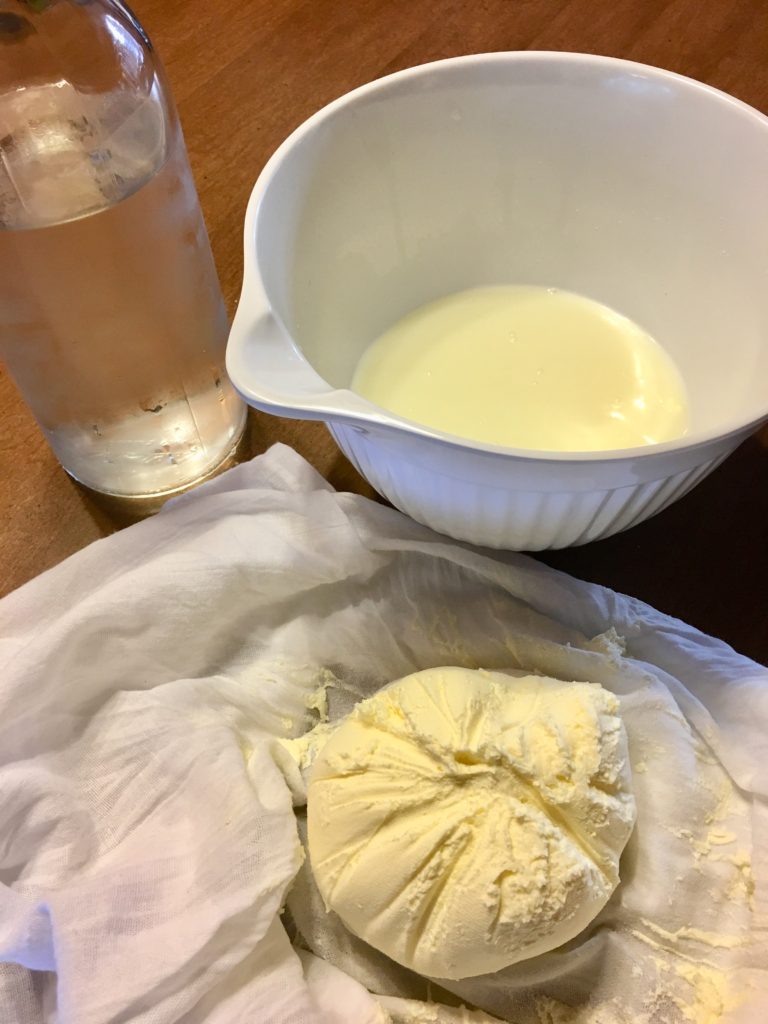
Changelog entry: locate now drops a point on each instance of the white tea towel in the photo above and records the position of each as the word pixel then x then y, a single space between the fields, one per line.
pixel 147 838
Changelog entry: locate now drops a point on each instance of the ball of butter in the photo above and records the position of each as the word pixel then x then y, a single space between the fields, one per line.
pixel 460 821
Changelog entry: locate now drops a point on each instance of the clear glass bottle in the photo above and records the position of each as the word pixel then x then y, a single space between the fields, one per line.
pixel 111 316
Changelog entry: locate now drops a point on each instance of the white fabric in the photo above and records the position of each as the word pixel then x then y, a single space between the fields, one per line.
pixel 147 837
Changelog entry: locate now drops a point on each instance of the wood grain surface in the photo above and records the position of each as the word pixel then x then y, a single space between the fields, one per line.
pixel 244 74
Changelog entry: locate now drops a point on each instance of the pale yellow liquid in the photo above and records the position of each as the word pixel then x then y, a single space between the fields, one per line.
pixel 526 367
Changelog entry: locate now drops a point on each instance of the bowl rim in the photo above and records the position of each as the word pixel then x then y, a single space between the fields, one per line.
pixel 347 406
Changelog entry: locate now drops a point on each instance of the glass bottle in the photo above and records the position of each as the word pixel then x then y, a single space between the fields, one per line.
pixel 111 316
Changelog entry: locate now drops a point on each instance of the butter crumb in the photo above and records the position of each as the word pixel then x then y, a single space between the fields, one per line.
pixel 710 996
pixel 318 699
pixel 720 838
pixel 716 940
pixel 609 643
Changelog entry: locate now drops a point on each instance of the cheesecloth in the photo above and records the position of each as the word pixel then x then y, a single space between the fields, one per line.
pixel 148 842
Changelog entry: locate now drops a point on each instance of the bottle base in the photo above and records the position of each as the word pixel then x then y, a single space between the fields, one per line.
pixel 128 508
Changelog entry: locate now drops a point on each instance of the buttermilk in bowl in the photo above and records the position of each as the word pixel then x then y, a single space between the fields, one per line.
pixel 527 367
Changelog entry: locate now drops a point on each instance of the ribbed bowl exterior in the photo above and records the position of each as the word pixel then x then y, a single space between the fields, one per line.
pixel 509 512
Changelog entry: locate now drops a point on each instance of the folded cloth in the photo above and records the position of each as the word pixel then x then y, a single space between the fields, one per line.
pixel 148 842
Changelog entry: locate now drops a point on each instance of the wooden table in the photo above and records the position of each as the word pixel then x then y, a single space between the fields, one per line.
pixel 245 73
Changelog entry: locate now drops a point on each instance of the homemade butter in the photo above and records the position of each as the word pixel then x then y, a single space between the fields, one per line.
pixel 526 367
pixel 460 821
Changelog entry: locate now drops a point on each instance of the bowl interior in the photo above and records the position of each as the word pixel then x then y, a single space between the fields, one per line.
pixel 640 189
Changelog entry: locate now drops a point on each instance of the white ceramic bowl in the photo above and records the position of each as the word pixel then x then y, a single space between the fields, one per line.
pixel 634 186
